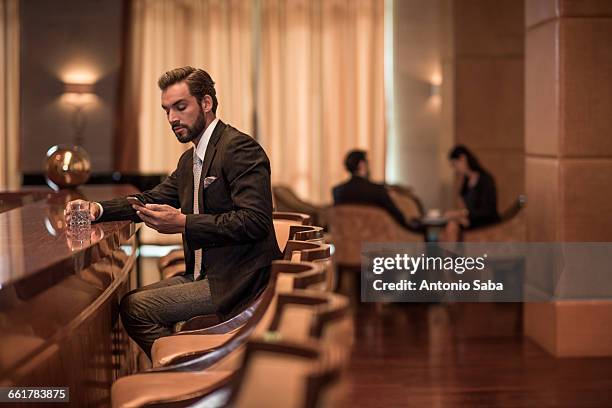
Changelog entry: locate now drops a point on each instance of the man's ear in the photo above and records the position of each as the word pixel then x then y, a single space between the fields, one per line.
pixel 207 103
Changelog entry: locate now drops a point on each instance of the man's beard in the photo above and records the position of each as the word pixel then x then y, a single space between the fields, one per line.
pixel 192 131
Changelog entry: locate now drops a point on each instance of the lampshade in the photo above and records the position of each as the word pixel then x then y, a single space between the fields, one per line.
pixel 78 88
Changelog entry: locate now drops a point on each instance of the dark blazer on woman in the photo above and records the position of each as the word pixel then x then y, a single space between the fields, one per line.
pixel 234 225
pixel 481 201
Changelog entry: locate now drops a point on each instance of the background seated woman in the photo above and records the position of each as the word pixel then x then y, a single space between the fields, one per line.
pixel 478 195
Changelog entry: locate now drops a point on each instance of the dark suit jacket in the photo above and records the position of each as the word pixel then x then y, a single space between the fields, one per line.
pixel 234 227
pixel 359 190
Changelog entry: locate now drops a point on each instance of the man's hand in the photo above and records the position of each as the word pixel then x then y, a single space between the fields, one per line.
pixel 94 210
pixel 162 218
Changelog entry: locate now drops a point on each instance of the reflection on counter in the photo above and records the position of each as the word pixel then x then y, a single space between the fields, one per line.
pixel 84 237
pixel 59 297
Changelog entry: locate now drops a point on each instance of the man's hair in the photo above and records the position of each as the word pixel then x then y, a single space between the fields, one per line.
pixel 198 81
pixel 351 162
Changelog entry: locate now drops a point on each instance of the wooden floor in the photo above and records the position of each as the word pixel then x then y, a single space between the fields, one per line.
pixel 410 355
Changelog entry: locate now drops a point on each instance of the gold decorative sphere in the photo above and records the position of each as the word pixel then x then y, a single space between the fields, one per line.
pixel 67 166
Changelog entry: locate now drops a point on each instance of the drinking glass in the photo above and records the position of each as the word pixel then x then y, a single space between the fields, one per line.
pixel 79 215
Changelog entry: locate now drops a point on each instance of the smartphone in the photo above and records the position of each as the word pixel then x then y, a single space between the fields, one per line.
pixel 135 201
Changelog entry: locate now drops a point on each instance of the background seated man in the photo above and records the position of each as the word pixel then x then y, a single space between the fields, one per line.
pixel 360 190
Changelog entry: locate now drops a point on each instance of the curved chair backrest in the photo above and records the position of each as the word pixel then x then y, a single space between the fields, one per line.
pixel 303 219
pixel 282 230
pixel 311 233
pixel 353 225
pixel 296 250
pixel 318 253
pixel 297 275
pixel 324 316
pixel 310 319
pixel 301 372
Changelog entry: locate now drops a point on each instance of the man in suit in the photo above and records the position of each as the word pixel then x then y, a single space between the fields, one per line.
pixel 219 198
pixel 360 190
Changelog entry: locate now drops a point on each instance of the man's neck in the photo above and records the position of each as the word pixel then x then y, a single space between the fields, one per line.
pixel 207 121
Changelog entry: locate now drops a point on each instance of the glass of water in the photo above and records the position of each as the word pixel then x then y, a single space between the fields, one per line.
pixel 79 215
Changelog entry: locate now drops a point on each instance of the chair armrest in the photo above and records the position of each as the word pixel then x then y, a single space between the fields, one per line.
pixel 197 323
pixel 513 230
pixel 207 325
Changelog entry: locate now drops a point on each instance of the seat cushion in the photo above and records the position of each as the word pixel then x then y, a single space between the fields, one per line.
pixel 136 390
pixel 167 348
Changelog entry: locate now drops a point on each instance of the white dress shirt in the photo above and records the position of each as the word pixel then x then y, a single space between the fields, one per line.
pixel 203 143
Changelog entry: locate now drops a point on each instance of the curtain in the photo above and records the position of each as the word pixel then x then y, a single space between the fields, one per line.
pixel 311 70
pixel 320 90
pixel 214 35
pixel 9 94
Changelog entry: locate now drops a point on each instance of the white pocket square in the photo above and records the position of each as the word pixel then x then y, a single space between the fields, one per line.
pixel 209 180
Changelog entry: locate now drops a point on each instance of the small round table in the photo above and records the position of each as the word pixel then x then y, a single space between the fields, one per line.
pixel 433 226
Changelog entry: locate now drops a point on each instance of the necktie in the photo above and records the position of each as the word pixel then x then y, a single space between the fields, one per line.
pixel 197 172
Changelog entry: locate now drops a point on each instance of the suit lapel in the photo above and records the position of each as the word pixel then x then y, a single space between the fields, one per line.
pixel 189 184
pixel 211 150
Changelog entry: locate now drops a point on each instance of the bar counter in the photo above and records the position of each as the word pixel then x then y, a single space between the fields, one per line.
pixel 59 295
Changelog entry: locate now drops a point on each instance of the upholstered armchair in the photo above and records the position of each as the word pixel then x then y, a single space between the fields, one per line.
pixel 511 227
pixel 352 225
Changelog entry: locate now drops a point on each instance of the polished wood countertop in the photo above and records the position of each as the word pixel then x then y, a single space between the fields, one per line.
pixel 34 241
pixel 59 294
